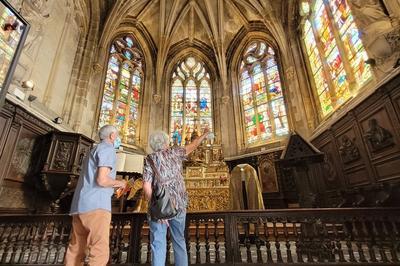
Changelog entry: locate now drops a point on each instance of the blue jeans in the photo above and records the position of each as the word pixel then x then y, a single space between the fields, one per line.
pixel 158 241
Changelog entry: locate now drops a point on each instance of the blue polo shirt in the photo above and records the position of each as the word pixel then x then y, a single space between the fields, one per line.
pixel 88 194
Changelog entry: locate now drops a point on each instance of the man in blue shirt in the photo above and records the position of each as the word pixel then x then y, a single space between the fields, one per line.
pixel 91 204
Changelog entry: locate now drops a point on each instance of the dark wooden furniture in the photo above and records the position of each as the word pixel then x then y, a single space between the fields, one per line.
pixel 363 152
pixel 61 158
pixel 351 236
pixel 300 155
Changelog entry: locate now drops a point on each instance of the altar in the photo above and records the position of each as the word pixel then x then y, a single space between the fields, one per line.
pixel 206 178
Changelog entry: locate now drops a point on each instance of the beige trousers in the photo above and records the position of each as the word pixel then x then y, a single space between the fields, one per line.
pixel 90 232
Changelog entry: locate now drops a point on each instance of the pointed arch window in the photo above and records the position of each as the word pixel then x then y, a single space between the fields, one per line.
pixel 263 105
pixel 191 100
pixel 123 88
pixel 335 52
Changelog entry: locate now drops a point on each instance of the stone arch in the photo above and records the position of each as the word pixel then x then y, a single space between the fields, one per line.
pixel 203 53
pixel 244 37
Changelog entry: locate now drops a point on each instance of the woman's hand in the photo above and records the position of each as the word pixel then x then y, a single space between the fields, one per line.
pixel 164 221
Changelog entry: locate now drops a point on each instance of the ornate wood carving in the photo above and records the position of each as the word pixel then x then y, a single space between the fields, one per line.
pixel 63 154
pixel 378 137
pixel 348 150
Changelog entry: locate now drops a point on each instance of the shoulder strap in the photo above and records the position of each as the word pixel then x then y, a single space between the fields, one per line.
pixel 155 170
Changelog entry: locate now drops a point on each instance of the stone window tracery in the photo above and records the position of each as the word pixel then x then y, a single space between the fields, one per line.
pixel 191 100
pixel 123 86
pixel 261 95
pixel 335 52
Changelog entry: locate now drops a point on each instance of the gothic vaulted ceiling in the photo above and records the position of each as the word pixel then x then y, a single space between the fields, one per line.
pixel 214 23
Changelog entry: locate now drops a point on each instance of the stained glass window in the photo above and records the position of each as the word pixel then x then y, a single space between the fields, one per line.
pixel 335 52
pixel 261 95
pixel 191 101
pixel 123 88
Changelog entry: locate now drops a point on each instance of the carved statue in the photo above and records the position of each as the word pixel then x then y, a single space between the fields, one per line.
pixel 377 136
pixel 378 34
pixel 247 175
pixel 348 150
pixel 36 13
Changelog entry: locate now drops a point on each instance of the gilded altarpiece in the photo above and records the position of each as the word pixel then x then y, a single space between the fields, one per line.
pixel 207 179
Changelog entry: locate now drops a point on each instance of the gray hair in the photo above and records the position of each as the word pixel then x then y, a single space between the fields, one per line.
pixel 158 140
pixel 106 131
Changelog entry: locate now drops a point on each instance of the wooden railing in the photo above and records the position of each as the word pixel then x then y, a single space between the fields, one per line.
pixel 302 236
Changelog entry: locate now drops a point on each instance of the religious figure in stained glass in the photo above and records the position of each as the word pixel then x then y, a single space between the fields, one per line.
pixel 123 88
pixel 191 100
pixel 261 96
pixel 335 52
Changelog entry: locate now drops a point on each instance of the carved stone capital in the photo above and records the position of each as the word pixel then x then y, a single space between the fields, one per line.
pixel 290 73
pixel 157 98
pixel 225 99
pixel 97 67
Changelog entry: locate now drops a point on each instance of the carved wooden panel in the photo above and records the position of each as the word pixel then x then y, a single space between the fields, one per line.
pixel 267 173
pixel 352 154
pixel 330 169
pixel 21 156
pixel 18 133
pixel 62 157
pixel 382 141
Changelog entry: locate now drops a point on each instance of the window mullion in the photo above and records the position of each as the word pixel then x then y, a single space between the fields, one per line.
pixel 117 95
pixel 184 129
pixel 342 51
pixel 127 107
pixel 198 105
pixel 325 66
pixel 251 73
pixel 269 103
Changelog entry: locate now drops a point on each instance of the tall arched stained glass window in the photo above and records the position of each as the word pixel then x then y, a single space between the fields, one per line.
pixel 335 51
pixel 261 95
pixel 191 100
pixel 123 88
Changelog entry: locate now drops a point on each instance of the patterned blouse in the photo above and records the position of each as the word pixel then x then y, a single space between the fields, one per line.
pixel 169 165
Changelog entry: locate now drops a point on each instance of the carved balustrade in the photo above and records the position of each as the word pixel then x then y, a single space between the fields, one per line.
pixel 360 236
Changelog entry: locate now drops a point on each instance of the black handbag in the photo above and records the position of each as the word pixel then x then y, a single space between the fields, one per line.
pixel 162 206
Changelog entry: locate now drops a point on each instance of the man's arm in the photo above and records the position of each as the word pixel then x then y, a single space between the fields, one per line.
pixel 147 190
pixel 104 180
pixel 196 142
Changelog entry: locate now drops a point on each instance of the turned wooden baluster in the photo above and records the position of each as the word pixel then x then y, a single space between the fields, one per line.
pixel 267 243
pixel 357 231
pixel 113 239
pixel 49 243
pixel 330 244
pixel 370 246
pixel 216 235
pixel 298 244
pixel 307 239
pixel 287 242
pixel 380 239
pixel 338 243
pixel 60 244
pixel 258 242
pixel 148 256
pixel 32 245
pixel 8 244
pixel 247 243
pixel 347 232
pixel 392 232
pixel 207 239
pixel 321 248
pixel 277 244
pixel 16 243
pixel 25 243
pixel 38 243
pixel 197 241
